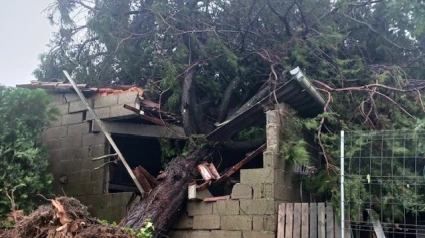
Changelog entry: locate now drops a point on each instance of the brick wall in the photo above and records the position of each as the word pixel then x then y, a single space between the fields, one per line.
pixel 71 145
pixel 252 209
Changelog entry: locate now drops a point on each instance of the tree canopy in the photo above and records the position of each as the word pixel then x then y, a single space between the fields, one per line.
pixel 206 58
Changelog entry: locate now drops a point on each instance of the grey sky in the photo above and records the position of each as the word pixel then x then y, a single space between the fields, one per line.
pixel 24 32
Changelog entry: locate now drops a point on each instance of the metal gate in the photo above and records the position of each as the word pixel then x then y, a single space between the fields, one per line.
pixel 383 183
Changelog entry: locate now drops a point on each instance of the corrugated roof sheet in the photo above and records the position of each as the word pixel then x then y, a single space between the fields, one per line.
pixel 297 93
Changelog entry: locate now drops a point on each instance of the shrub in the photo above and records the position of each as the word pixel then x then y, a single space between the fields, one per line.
pixel 24 114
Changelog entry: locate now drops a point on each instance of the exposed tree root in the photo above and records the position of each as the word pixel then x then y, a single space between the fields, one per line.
pixel 64 218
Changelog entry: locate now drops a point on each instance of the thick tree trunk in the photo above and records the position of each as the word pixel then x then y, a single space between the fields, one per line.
pixel 186 107
pixel 163 203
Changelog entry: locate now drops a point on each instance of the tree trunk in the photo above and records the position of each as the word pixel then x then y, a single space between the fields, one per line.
pixel 164 202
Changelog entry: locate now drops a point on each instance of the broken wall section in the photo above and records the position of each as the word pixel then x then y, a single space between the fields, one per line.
pixel 252 210
pixel 71 144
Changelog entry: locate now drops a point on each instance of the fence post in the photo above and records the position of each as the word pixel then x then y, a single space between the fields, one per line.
pixel 342 185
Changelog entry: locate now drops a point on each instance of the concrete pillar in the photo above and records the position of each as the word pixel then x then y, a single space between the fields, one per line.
pixel 274 123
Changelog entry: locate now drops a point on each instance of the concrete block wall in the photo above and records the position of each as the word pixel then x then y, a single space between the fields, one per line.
pixel 71 145
pixel 252 209
pixel 112 106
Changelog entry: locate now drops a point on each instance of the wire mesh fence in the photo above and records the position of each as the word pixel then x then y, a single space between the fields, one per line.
pixel 384 183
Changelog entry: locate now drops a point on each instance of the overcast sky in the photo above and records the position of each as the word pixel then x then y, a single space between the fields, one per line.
pixel 24 32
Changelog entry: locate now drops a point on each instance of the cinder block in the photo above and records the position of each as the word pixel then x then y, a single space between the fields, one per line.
pixel 78 129
pixel 79 153
pixel 119 111
pixel 241 191
pixel 62 108
pixel 73 189
pixel 228 207
pixel 55 132
pixel 71 141
pixel 202 194
pixel 78 106
pixel 96 175
pixel 56 98
pixel 264 191
pixel 57 154
pixel 125 197
pixel 98 150
pixel 206 222
pixel 258 234
pixel 263 175
pixel 129 97
pixel 272 116
pixel 255 176
pixel 257 207
pixel 73 118
pixel 183 222
pixel 71 97
pixel 236 223
pixel 199 208
pixel 53 144
pixel 273 160
pixel 226 234
pixel 69 166
pixel 102 113
pixel 94 139
pixel 92 188
pixel 79 176
pixel 191 234
pixel 101 201
pixel 264 223
pixel 110 100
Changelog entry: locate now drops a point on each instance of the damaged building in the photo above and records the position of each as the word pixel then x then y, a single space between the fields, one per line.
pixel 240 201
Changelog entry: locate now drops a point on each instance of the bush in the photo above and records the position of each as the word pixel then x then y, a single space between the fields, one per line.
pixel 24 114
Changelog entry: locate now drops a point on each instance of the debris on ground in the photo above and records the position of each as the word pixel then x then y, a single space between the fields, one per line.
pixel 65 217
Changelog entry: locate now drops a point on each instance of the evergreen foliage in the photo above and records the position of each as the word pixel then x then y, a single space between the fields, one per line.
pixel 366 57
pixel 24 114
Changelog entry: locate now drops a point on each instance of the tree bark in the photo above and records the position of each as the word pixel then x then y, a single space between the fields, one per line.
pixel 224 106
pixel 163 204
pixel 187 120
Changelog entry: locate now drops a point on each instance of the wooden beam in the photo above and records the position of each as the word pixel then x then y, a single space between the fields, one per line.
pixel 143 130
pixel 239 165
pixel 105 131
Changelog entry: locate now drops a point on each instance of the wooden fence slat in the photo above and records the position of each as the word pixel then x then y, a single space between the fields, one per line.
pixel 329 221
pixel 313 220
pixel 289 220
pixel 337 224
pixel 304 220
pixel 281 221
pixel 321 220
pixel 308 220
pixel 297 221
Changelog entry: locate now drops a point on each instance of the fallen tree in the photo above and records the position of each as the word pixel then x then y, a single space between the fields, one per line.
pixel 205 59
pixel 164 202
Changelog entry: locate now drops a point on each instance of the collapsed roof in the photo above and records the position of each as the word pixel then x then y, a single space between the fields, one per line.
pixel 298 93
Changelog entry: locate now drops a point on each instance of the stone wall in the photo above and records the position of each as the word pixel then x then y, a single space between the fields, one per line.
pixel 252 210
pixel 71 145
